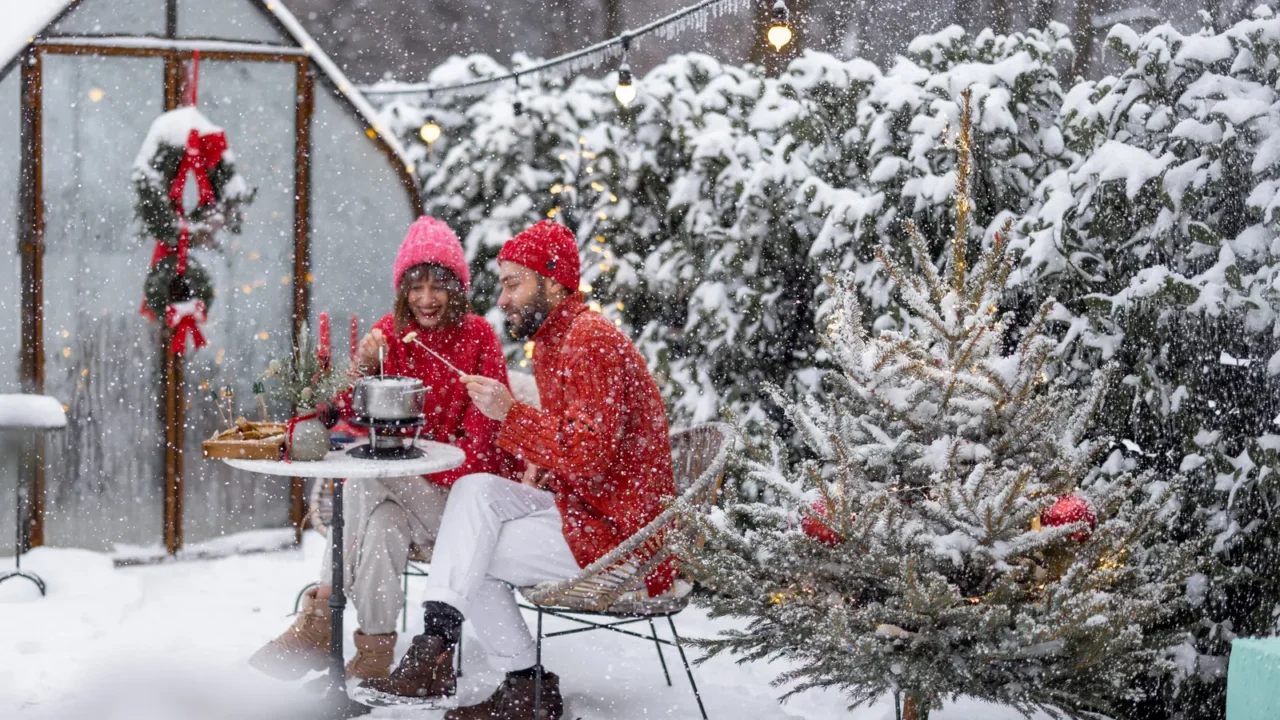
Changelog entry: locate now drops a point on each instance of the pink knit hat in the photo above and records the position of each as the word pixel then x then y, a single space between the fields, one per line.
pixel 431 241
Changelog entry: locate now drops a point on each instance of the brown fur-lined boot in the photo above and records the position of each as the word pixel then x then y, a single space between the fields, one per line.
pixel 301 648
pixel 375 655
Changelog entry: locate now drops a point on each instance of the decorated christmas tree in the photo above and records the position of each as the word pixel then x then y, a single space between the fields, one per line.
pixel 949 532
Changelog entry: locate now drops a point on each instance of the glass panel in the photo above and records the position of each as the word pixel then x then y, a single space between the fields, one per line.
pixel 104 473
pixel 359 214
pixel 227 20
pixel 250 319
pixel 10 296
pixel 114 17
pixel 10 292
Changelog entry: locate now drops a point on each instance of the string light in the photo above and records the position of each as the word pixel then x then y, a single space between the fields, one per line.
pixel 667 26
pixel 430 131
pixel 779 33
pixel 626 91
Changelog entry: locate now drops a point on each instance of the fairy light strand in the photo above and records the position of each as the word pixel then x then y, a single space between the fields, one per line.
pixel 692 17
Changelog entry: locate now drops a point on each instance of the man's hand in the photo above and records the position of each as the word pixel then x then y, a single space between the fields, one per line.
pixel 492 397
pixel 535 477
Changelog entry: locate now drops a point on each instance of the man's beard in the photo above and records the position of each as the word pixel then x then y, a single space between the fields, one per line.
pixel 529 317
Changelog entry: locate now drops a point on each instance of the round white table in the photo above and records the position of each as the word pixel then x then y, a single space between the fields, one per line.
pixel 34 413
pixel 437 457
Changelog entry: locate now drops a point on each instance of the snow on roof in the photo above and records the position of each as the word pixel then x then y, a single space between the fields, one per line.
pixel 330 68
pixel 27 19
pixel 23 21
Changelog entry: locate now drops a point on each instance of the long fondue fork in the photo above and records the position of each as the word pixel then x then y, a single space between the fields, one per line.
pixel 413 338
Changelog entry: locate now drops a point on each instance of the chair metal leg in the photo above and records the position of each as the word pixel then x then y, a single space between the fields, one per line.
pixel 687 669
pixel 662 659
pixel 459 653
pixel 404 612
pixel 537 675
pixel 297 603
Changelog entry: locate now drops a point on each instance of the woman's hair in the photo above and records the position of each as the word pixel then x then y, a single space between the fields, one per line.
pixel 455 309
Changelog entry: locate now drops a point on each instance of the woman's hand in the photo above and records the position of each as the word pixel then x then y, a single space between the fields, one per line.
pixel 367 351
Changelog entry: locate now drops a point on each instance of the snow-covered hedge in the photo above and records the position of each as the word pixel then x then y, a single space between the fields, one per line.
pixel 1147 203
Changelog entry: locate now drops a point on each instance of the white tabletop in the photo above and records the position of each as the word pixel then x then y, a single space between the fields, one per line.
pixel 337 464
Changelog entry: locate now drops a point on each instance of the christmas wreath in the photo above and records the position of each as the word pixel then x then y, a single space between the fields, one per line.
pixel 182 145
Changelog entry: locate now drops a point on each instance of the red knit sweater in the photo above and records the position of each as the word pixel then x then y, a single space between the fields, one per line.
pixel 451 417
pixel 602 432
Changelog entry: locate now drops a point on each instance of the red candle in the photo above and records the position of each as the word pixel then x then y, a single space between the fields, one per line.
pixel 322 351
pixel 355 335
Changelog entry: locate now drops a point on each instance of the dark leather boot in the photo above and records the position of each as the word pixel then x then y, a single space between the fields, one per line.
pixel 513 700
pixel 425 674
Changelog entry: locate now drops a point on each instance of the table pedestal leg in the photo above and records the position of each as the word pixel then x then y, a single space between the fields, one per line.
pixel 339 704
pixel 19 542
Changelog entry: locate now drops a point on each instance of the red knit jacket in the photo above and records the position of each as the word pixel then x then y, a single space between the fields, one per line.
pixel 601 432
pixel 451 417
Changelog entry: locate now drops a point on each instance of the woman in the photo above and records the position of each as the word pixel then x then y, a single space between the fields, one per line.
pixel 385 517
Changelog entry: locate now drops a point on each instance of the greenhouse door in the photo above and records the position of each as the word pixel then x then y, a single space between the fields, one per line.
pixel 127 471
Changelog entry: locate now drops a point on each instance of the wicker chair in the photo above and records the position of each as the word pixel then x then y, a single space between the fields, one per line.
pixel 612 588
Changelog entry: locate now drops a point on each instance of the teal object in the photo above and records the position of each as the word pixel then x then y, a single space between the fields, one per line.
pixel 1253 679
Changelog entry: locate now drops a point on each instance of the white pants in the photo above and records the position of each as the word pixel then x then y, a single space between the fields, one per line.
pixel 497 533
pixel 381 519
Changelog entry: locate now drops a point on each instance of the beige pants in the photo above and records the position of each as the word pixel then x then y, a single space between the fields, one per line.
pixel 382 518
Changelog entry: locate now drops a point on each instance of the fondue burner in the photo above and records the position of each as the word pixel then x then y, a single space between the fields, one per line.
pixel 384 443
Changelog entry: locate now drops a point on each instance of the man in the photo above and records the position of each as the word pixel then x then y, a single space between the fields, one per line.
pixel 598 470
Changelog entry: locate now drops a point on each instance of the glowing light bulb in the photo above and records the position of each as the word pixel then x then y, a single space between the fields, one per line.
pixel 430 131
pixel 779 34
pixel 626 91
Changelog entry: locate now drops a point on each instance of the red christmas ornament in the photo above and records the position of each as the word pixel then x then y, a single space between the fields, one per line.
pixel 1070 509
pixel 818 530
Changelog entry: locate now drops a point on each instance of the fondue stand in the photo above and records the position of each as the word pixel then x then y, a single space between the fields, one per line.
pixel 421 457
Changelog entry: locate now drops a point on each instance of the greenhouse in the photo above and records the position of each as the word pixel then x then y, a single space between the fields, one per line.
pixel 80 83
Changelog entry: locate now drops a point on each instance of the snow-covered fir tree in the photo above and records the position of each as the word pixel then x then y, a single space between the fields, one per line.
pixel 949 533
pixel 900 171
pixel 1163 241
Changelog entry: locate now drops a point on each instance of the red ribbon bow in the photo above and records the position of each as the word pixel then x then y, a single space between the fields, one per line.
pixel 183 318
pixel 203 153
pixel 288 431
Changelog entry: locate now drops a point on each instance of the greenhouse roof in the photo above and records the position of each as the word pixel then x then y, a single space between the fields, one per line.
pixel 24 21
pixel 28 19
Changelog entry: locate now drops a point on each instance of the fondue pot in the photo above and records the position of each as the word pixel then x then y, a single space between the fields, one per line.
pixel 389 405
pixel 388 398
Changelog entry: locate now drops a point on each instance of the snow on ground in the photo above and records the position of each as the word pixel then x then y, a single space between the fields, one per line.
pixel 165 641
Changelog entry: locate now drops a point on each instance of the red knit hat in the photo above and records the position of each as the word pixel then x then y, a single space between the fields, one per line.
pixel 431 241
pixel 547 248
